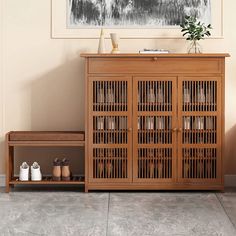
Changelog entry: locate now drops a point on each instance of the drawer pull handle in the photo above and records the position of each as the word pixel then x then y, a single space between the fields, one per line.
pixel 155 58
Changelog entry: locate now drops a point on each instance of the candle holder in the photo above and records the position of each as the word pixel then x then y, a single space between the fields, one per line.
pixel 115 43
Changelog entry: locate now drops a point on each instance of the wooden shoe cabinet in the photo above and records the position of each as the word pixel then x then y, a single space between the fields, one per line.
pixel 154 121
pixel 40 139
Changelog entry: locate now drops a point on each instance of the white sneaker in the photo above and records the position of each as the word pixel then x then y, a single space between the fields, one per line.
pixel 35 172
pixel 24 172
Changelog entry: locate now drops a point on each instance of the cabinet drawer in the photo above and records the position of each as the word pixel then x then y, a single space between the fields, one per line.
pixel 154 65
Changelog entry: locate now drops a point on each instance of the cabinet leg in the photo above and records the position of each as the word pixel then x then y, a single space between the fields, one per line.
pixel 7 189
pixel 86 188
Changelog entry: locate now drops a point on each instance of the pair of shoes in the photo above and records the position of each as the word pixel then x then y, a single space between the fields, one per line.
pixel 61 170
pixel 36 174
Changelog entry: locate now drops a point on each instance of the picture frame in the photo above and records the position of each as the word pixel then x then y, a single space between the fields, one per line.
pixel 59 29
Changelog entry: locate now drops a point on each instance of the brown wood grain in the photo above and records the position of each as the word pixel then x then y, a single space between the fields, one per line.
pixel 154 65
pixel 46 136
pixel 195 68
pixel 169 55
pixel 39 139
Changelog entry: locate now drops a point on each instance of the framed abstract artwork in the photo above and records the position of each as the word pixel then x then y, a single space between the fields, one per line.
pixel 131 18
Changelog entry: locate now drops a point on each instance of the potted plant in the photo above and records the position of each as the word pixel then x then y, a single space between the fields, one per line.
pixel 195 31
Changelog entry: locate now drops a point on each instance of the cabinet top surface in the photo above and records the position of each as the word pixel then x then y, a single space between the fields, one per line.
pixel 168 55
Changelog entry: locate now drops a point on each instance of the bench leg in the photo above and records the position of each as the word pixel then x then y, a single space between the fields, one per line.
pixel 9 155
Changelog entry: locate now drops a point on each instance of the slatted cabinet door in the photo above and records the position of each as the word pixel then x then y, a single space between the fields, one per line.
pixel 199 139
pixel 154 129
pixel 110 133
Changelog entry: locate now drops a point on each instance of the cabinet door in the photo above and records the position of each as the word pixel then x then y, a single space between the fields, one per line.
pixel 110 136
pixel 154 129
pixel 199 140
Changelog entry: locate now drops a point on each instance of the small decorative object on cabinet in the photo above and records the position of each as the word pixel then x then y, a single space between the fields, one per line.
pixel 101 45
pixel 195 31
pixel 115 43
pixel 163 124
pixel 42 139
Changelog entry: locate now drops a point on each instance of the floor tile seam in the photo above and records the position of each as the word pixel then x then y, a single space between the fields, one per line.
pixel 108 209
pixel 222 205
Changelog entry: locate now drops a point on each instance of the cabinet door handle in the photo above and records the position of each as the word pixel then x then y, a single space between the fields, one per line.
pixel 174 129
pixel 155 58
pixel 129 129
pixel 180 130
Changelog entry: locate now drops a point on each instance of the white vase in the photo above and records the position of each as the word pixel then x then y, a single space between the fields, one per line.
pixel 101 45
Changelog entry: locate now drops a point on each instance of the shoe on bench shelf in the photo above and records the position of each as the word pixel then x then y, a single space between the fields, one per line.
pixel 24 172
pixel 56 170
pixel 36 174
pixel 65 170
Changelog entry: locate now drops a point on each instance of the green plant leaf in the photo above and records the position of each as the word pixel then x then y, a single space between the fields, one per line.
pixel 194 29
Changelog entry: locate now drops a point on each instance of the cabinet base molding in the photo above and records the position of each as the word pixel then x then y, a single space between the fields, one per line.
pixel 230 181
pixel 154 187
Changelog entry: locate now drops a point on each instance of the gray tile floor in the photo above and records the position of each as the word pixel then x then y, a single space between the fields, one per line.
pixel 30 212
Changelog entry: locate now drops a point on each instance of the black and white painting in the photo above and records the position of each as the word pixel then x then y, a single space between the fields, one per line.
pixel 135 13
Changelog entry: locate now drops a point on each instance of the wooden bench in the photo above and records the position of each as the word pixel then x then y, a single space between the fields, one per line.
pixel 40 139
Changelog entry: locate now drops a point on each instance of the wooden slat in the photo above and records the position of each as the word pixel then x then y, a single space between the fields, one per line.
pixel 170 55
pixel 159 65
pixel 48 181
pixel 46 136
pixel 47 143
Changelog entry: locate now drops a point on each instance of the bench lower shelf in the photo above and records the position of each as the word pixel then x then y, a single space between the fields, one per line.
pixel 78 180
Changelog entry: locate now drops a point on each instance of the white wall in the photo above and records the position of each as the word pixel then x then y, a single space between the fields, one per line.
pixel 42 78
